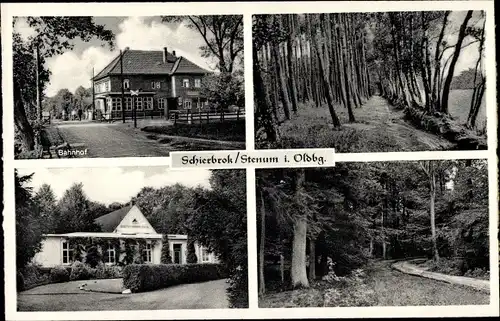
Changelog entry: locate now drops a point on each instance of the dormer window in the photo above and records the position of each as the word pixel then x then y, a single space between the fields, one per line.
pixel 126 84
pixel 185 83
pixel 197 82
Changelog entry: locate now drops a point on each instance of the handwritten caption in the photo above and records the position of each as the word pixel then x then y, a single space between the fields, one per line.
pixel 257 159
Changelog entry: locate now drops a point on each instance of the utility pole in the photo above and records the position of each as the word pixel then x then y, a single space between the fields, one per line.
pixel 123 89
pixel 93 94
pixel 38 91
pixel 134 106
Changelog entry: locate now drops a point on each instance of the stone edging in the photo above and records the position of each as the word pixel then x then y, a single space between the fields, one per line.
pixel 405 267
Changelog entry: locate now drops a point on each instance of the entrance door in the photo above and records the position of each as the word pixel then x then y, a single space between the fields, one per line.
pixel 177 253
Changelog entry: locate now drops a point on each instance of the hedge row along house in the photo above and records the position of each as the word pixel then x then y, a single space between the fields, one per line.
pixel 126 237
pixel 164 82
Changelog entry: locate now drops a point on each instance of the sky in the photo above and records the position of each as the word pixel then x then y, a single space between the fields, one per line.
pixel 74 68
pixel 114 184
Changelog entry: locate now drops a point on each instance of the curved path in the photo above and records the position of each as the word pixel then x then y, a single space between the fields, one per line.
pixel 394 288
pixel 67 297
pixel 383 121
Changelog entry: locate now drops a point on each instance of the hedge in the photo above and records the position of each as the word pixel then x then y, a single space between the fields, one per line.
pixel 148 277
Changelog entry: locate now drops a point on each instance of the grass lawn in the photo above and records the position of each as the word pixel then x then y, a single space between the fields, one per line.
pixel 230 130
pixel 67 297
pixel 382 286
pixel 459 105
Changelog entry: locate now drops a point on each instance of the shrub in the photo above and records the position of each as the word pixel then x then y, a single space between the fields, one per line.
pixel 104 271
pixel 59 274
pixel 80 271
pixel 93 257
pixel 148 277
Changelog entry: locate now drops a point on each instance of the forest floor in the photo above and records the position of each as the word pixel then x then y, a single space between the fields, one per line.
pixel 380 286
pixel 379 127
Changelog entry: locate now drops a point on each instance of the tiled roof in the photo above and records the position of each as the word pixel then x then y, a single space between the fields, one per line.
pixel 149 62
pixel 110 221
pixel 184 66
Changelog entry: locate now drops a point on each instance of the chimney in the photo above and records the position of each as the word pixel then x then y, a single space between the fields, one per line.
pixel 165 54
pixel 173 53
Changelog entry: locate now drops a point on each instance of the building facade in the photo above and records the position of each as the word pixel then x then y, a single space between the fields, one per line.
pixel 164 82
pixel 121 229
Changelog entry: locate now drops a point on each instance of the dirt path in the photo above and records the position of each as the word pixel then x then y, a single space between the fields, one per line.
pixel 67 297
pixel 394 288
pixel 380 119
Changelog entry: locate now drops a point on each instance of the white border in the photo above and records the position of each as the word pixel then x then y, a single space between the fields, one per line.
pixel 247 8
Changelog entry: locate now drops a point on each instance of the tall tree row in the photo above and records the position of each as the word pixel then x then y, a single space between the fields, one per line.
pixel 308 59
pixel 417 55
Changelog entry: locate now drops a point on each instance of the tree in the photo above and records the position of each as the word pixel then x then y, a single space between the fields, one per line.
pixel 166 258
pixel 80 95
pixel 52 36
pixel 222 34
pixel 73 209
pixel 219 224
pixel 47 204
pixel 29 228
pixel 224 89
pixel 191 252
pixel 451 69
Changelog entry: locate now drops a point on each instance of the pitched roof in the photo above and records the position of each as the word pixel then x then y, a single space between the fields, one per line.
pixel 149 62
pixel 110 221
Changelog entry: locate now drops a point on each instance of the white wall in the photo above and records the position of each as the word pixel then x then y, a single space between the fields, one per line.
pixel 51 253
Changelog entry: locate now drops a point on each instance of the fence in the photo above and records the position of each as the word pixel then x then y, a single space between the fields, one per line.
pixel 198 117
pixel 117 115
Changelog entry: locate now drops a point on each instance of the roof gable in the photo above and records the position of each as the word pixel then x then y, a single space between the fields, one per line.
pixel 134 222
pixel 127 220
pixel 149 62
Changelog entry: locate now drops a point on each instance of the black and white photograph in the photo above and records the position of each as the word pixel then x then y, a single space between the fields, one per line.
pixel 127 86
pixel 130 238
pixel 406 233
pixel 370 82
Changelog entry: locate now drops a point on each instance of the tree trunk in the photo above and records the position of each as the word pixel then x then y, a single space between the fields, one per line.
pixel 432 181
pixel 437 63
pixel 291 78
pixel 451 70
pixel 263 111
pixel 283 89
pixel 326 81
pixel 299 271
pixel 38 89
pixel 312 259
pixel 282 268
pixel 262 284
pixel 25 131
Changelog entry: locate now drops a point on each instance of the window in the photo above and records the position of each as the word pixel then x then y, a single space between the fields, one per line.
pixel 128 103
pixel 197 82
pixel 67 253
pixel 185 83
pixel 106 86
pixel 205 256
pixel 110 255
pixel 187 104
pixel 138 103
pixel 126 84
pixel 147 253
pixel 155 85
pixel 116 104
pixel 161 103
pixel 148 103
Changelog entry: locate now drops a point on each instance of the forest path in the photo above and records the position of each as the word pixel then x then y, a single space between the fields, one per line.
pixel 394 288
pixel 380 119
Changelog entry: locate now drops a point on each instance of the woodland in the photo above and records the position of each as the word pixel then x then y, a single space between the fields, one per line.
pixel 328 230
pixel 337 76
pixel 215 217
